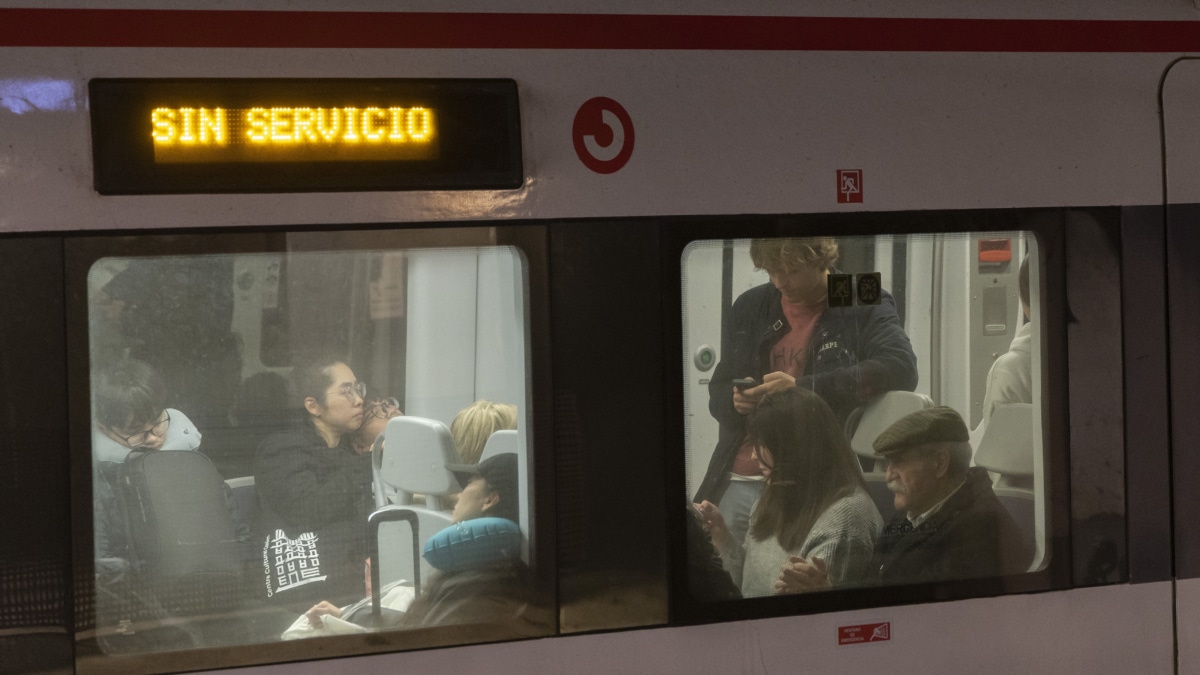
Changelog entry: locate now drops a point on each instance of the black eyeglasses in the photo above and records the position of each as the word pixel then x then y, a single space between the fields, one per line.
pixel 159 429
pixel 349 390
pixel 383 408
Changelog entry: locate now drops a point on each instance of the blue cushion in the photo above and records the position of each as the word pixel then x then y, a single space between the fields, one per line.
pixel 474 543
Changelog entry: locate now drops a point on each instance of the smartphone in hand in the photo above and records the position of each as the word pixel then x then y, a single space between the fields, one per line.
pixel 745 383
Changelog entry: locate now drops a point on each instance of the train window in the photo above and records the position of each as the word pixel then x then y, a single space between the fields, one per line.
pixel 299 444
pixel 863 410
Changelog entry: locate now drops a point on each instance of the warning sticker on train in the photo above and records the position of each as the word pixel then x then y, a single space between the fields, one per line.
pixel 841 290
pixel 603 135
pixel 850 186
pixel 865 632
pixel 870 288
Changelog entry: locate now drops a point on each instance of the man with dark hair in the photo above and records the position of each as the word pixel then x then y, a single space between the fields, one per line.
pixel 949 524
pixel 130 414
pixel 142 562
pixel 783 334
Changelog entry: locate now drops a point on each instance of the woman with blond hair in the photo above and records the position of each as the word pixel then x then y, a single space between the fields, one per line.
pixel 473 425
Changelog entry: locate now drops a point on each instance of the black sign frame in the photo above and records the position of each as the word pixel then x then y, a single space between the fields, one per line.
pixel 479 126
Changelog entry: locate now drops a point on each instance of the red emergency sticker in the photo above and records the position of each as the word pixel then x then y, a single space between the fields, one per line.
pixel 850 186
pixel 865 632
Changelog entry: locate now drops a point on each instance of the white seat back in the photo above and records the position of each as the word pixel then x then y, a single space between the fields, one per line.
pixel 876 416
pixel 1007 444
pixel 414 458
pixel 504 440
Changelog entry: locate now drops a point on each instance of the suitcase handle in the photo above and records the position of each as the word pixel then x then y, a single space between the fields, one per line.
pixel 390 514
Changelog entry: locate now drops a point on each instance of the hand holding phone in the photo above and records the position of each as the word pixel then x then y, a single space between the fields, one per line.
pixel 745 383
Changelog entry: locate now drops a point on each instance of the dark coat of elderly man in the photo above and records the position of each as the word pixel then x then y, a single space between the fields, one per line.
pixel 949 523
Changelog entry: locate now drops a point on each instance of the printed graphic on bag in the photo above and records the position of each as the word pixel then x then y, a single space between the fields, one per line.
pixel 296 561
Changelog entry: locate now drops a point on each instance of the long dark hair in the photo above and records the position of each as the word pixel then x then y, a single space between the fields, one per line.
pixel 813 464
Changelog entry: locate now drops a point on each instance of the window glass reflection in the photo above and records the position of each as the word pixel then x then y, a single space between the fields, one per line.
pixel 252 412
pixel 866 411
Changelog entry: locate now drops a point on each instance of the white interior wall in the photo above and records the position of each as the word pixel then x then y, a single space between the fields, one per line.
pixel 500 324
pixel 918 315
pixel 701 266
pixel 956 311
pixel 440 369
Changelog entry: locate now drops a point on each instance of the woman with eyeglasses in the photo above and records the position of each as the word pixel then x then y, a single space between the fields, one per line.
pixel 314 490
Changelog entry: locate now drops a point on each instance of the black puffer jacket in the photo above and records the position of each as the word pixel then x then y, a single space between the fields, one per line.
pixel 304 486
pixel 854 354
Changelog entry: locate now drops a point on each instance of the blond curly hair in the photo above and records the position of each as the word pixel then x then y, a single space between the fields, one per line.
pixel 788 254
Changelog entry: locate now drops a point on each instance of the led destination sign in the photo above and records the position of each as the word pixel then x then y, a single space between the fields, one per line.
pixel 152 136
pixel 288 134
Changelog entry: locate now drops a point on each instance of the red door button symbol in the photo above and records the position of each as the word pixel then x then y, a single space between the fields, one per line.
pixel 849 186
pixel 603 135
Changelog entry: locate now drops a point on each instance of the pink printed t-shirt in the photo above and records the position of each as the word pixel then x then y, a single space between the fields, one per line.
pixel 789 355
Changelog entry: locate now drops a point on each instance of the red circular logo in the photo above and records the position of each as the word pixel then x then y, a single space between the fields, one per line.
pixel 603 135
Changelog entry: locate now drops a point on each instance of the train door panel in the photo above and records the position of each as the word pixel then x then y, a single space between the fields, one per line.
pixel 1180 106
pixel 1184 282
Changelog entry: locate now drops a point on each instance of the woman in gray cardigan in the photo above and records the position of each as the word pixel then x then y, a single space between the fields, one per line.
pixel 814 506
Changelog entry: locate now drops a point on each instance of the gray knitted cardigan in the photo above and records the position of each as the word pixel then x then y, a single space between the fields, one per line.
pixel 843 536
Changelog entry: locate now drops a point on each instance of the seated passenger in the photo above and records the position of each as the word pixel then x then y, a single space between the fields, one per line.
pixel 377 410
pixel 139 560
pixel 130 414
pixel 314 491
pixel 950 524
pixel 475 424
pixel 497 590
pixel 814 506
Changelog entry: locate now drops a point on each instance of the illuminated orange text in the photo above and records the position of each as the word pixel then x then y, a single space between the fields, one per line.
pixel 277 133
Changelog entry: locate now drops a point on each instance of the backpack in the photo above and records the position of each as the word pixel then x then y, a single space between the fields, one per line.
pixel 182 538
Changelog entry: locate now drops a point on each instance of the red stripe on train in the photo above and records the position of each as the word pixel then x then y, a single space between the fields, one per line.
pixel 328 30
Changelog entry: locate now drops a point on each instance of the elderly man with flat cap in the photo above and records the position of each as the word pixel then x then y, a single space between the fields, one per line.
pixel 949 523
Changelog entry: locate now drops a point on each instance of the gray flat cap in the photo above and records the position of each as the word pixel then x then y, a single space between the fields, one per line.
pixel 931 425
